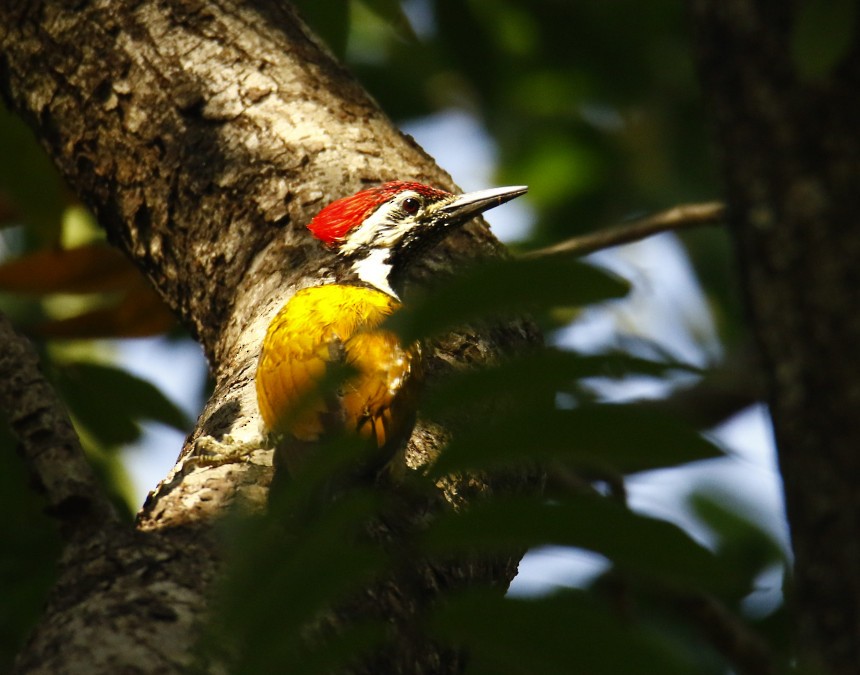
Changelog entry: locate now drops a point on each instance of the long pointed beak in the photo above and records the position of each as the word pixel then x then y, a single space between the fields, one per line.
pixel 468 205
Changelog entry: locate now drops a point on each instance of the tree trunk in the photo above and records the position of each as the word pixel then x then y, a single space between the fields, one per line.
pixel 790 147
pixel 205 135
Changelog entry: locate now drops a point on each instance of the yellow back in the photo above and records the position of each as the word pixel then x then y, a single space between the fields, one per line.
pixel 335 324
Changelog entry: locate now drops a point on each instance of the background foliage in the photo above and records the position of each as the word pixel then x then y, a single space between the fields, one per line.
pixel 594 105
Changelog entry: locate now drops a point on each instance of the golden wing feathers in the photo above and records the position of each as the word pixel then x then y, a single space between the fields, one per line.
pixel 336 325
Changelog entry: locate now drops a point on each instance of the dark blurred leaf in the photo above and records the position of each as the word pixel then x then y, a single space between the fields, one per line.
pixel 611 437
pixel 562 634
pixel 110 402
pixel 8 212
pixel 777 630
pixel 412 79
pixel 393 14
pixel 333 655
pixel 282 575
pixel 503 288
pixel 741 542
pixel 85 269
pixel 29 554
pixel 824 32
pixel 328 20
pixel 29 179
pixel 140 312
pixel 642 547
pixel 533 377
pixel 594 104
pixel 559 169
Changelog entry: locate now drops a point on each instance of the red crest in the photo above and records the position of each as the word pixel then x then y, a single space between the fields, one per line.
pixel 333 223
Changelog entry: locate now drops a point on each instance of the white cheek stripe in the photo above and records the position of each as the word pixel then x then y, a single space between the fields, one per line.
pixel 374 269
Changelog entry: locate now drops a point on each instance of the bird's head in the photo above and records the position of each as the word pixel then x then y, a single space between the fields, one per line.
pixel 382 229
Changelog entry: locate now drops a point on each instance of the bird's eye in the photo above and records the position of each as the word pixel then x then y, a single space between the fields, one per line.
pixel 411 205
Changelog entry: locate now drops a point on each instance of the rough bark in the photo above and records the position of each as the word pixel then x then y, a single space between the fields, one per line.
pixel 205 135
pixel 49 444
pixel 791 160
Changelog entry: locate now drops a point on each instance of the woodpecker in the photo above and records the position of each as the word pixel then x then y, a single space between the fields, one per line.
pixel 376 234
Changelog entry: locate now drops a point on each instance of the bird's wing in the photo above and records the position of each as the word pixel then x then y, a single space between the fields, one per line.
pixel 325 326
pixel 379 401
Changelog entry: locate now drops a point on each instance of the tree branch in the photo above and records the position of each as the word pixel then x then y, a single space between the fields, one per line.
pixel 205 135
pixel 49 444
pixel 682 217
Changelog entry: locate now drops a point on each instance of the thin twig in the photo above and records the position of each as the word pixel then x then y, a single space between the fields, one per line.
pixel 49 444
pixel 677 218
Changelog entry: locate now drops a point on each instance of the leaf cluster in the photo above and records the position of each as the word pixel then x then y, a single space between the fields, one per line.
pixel 298 573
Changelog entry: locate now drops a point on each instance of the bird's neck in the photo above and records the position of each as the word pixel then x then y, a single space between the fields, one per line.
pixel 375 269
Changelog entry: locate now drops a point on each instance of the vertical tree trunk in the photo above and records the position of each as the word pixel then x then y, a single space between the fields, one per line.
pixel 790 150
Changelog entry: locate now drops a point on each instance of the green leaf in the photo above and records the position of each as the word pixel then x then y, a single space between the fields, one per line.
pixel 505 287
pixel 824 32
pixel 392 13
pixel 643 548
pixel 742 544
pixel 530 378
pixel 563 634
pixel 623 438
pixel 29 178
pixel 283 574
pixel 329 20
pixel 333 655
pixel 110 402
pixel 30 551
